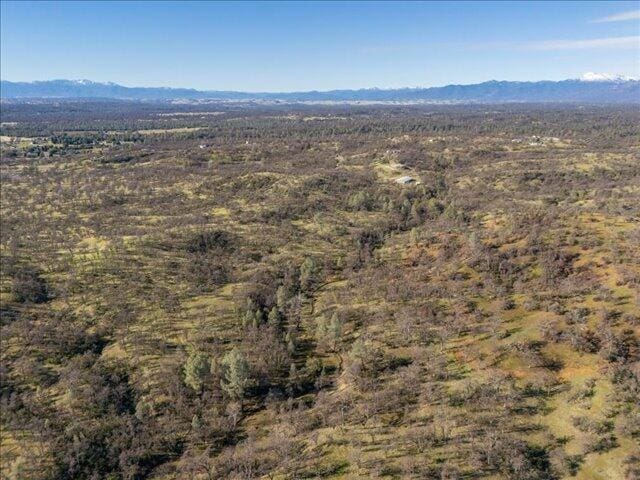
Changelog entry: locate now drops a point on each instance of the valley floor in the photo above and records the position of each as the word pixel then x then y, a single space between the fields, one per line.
pixel 252 294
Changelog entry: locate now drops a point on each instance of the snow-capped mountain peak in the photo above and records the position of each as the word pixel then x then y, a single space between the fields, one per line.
pixel 605 77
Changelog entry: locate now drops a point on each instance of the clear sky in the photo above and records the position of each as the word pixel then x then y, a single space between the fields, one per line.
pixel 287 46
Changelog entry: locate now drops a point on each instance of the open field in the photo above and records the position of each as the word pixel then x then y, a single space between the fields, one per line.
pixel 235 292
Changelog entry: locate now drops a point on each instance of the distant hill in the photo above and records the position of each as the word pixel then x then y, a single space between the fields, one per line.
pixel 578 91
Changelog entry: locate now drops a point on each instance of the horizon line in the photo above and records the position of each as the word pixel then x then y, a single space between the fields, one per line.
pixel 584 78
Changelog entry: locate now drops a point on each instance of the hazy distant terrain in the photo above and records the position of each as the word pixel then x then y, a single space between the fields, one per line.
pixel 614 91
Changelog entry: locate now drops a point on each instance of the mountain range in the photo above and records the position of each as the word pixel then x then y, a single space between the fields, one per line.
pixel 592 88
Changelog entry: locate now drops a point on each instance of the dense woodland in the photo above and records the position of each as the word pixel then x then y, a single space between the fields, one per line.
pixel 245 291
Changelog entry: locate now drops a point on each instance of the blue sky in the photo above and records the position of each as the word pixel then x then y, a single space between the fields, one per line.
pixel 286 46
